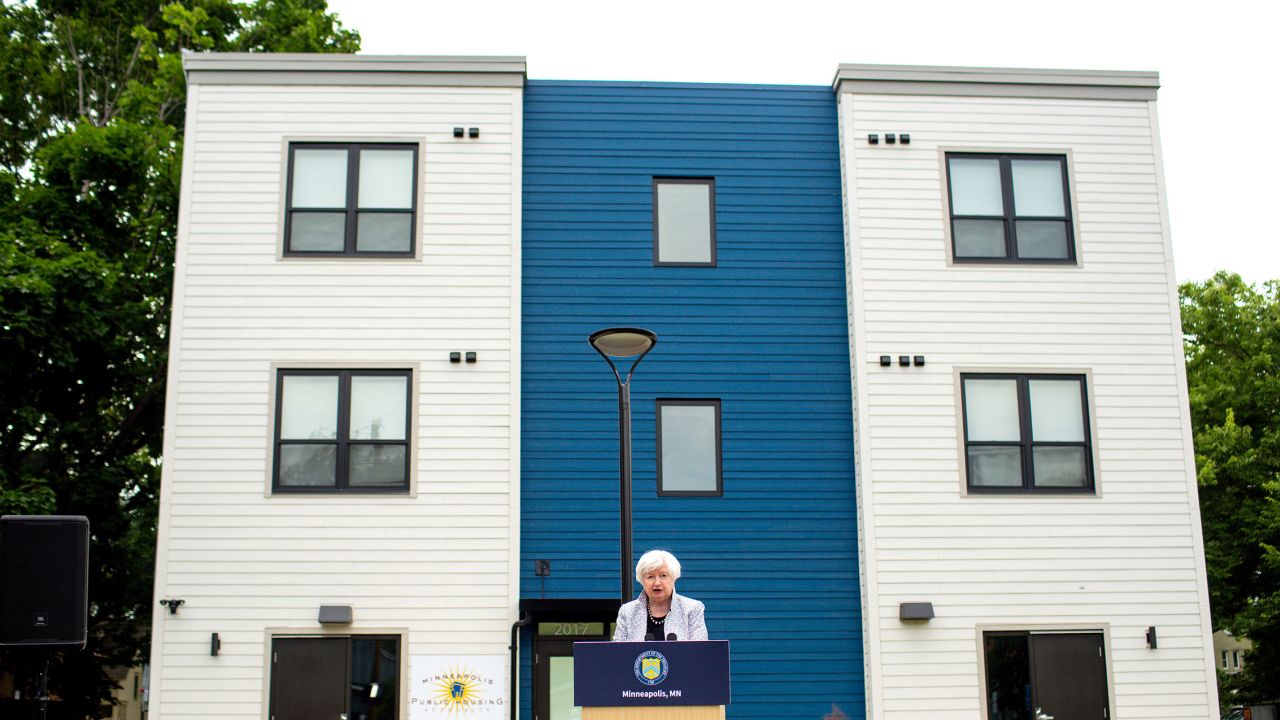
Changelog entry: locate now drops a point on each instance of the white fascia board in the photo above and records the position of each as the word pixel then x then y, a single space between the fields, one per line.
pixel 1000 82
pixel 337 69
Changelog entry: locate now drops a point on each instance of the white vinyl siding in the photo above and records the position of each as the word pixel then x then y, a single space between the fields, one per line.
pixel 436 564
pixel 1121 560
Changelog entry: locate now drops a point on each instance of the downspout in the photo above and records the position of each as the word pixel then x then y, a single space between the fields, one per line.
pixel 525 619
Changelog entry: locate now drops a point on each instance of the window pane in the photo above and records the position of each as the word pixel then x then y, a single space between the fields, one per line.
pixel 560 701
pixel 308 465
pixel 1059 467
pixel 375 669
pixel 979 238
pixel 995 466
pixel 1056 412
pixel 688 448
pixel 975 186
pixel 317 232
pixel 377 465
pixel 320 178
pixel 378 407
pixel 386 179
pixel 309 407
pixel 684 222
pixel 1037 188
pixel 1008 677
pixel 1042 239
pixel 383 232
pixel 991 410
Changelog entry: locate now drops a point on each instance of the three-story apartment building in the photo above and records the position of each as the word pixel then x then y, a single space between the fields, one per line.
pixel 916 422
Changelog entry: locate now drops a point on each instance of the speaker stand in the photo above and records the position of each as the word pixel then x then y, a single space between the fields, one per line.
pixel 42 698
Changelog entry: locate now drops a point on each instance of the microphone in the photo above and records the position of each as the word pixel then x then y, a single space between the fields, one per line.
pixel 648 637
pixel 671 636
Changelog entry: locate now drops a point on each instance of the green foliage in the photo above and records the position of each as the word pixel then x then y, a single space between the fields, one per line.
pixel 1232 342
pixel 91 111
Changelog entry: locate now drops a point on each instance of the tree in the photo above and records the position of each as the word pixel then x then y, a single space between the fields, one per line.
pixel 91 114
pixel 1232 341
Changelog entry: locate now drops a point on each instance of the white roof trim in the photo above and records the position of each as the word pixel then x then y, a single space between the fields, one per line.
pixel 337 69
pixel 1003 82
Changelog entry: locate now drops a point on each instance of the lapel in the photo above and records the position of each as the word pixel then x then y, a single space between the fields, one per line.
pixel 639 616
pixel 675 618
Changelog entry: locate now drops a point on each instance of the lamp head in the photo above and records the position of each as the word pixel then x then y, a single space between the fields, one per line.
pixel 622 342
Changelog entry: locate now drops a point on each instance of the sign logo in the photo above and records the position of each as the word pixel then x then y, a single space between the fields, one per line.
pixel 458 689
pixel 651 667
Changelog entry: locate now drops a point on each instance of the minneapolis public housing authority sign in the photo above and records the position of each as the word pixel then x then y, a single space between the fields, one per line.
pixel 444 687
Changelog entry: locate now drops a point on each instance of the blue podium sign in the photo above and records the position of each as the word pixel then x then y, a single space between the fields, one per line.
pixel 622 674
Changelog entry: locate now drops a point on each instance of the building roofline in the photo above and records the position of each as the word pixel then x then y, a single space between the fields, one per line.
pixel 241 68
pixel 1000 82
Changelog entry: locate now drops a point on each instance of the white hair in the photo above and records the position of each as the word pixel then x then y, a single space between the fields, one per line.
pixel 655 559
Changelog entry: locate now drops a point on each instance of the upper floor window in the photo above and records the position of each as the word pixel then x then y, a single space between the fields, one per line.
pixel 1026 433
pixel 684 221
pixel 351 199
pixel 342 431
pixel 1010 208
pixel 689 448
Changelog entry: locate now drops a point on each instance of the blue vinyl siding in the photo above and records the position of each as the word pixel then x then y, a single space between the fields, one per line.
pixel 765 332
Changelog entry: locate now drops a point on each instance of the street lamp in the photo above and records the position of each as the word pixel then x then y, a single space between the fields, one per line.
pixel 622 343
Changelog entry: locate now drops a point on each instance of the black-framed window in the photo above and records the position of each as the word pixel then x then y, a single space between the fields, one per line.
pixel 342 431
pixel 684 221
pixel 351 199
pixel 1027 433
pixel 1010 208
pixel 689 448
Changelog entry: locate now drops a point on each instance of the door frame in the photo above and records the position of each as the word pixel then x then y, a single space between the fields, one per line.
pixel 539 699
pixel 270 634
pixel 1103 629
pixel 541 707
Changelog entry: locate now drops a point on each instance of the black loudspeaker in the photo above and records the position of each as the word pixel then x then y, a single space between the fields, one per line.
pixel 44 580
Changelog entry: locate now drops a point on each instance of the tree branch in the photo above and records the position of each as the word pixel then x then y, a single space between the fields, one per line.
pixel 110 107
pixel 75 59
pixel 141 407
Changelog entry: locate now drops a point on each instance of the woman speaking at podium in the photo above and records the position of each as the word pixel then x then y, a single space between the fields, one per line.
pixel 659 613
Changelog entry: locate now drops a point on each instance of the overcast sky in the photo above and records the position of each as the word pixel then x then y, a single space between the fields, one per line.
pixel 1219 66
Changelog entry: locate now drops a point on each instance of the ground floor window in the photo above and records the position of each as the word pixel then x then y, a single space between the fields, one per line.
pixel 355 677
pixel 1041 675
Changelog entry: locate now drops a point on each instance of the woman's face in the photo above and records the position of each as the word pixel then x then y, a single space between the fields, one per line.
pixel 658 585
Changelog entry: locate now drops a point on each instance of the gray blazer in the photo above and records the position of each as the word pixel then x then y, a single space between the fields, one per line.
pixel 684 619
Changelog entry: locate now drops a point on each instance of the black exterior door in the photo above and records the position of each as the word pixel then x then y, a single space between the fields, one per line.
pixel 1070 676
pixel 1044 676
pixel 309 678
pixel 552 669
pixel 553 657
pixel 335 678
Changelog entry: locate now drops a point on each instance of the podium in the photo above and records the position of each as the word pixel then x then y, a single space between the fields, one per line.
pixel 651 680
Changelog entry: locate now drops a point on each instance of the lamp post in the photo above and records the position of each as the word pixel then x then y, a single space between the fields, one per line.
pixel 622 343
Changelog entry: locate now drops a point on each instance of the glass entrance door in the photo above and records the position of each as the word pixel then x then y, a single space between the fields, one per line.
pixel 553 666
pixel 555 681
